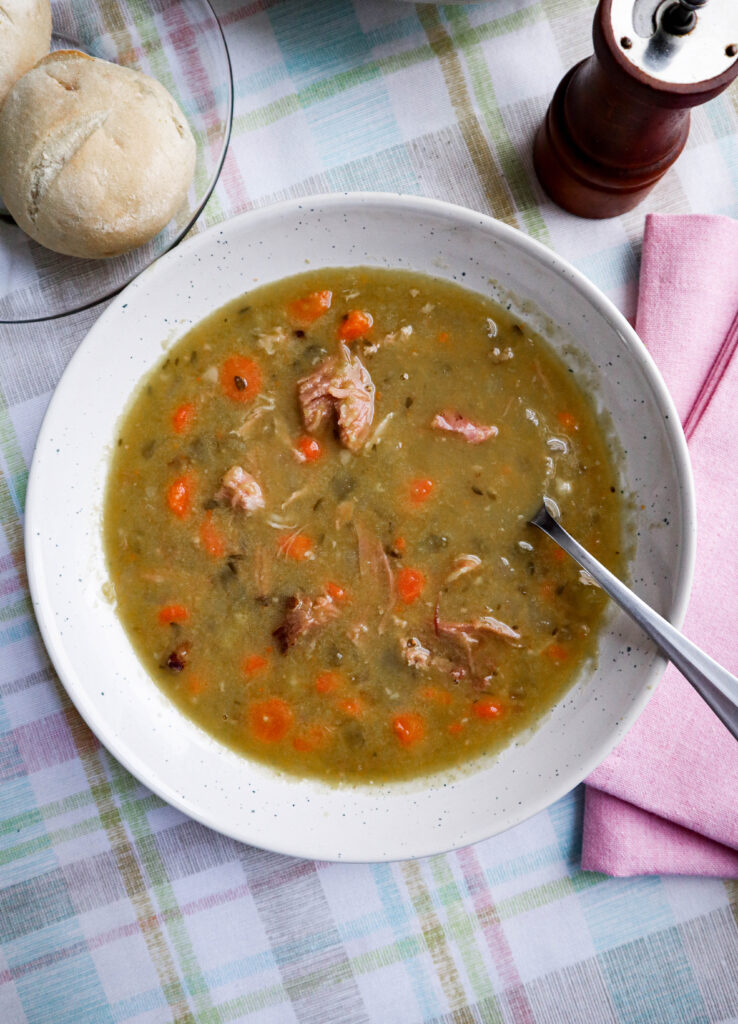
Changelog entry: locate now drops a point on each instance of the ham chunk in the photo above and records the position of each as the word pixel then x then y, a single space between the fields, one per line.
pixel 303 614
pixel 422 658
pixel 353 389
pixel 179 657
pixel 342 387
pixel 239 489
pixel 474 433
pixel 472 631
pixel 414 653
pixel 313 394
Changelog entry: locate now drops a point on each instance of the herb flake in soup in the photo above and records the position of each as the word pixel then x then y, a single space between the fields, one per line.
pixel 316 524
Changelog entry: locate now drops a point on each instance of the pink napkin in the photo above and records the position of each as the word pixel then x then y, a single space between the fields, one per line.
pixel 666 800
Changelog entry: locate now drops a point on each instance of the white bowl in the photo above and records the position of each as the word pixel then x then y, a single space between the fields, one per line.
pixel 66 565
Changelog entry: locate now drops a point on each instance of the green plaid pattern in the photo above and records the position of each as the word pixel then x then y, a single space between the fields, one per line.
pixel 113 907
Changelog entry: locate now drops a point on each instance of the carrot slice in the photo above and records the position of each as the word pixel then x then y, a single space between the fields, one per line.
pixel 314 737
pixel 252 664
pixel 556 652
pixel 356 324
pixel 328 682
pixel 420 490
pixel 306 310
pixel 434 695
pixel 270 719
pixel 211 538
pixel 309 449
pixel 487 707
pixel 410 584
pixel 240 378
pixel 567 421
pixel 456 728
pixel 173 613
pixel 337 592
pixel 196 685
pixel 409 728
pixel 297 546
pixel 352 706
pixel 180 494
pixel 182 417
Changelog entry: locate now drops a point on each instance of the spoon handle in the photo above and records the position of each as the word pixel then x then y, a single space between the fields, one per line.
pixel 717 687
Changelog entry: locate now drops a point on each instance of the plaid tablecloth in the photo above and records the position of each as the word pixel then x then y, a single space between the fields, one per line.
pixel 113 906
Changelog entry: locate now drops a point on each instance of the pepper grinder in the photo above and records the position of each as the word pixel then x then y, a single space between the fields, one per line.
pixel 619 119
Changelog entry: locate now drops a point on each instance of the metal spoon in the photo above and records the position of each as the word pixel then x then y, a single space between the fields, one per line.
pixel 717 687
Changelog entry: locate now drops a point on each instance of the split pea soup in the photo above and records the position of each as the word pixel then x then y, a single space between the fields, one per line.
pixel 316 525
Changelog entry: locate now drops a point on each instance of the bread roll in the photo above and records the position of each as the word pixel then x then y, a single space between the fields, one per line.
pixel 25 36
pixel 94 159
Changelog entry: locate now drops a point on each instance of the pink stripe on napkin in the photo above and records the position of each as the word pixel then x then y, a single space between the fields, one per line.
pixel 666 800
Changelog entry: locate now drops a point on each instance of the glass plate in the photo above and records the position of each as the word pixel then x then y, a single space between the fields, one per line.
pixel 178 42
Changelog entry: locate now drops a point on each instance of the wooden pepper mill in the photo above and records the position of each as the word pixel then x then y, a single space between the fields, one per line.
pixel 619 119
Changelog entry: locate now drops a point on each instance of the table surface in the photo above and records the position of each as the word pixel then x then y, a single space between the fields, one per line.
pixel 115 907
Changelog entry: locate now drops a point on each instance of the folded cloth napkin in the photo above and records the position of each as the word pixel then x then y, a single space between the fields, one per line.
pixel 666 800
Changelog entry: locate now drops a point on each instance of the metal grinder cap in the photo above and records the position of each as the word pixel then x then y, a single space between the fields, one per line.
pixel 676 42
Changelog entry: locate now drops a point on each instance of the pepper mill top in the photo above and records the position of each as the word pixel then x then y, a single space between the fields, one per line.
pixel 677 42
pixel 620 119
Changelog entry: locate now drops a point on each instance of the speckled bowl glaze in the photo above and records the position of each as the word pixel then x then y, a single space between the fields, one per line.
pixel 66 565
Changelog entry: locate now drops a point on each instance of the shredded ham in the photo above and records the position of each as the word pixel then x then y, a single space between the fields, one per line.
pixel 340 386
pixel 468 634
pixel 374 567
pixel 587 579
pixel 373 561
pixel 303 614
pixel 471 631
pixel 462 565
pixel 314 395
pixel 295 496
pixel 263 572
pixel 344 513
pixel 270 341
pixel 260 406
pixel 357 632
pixel 353 389
pixel 414 653
pixel 455 423
pixel 421 658
pixel 239 489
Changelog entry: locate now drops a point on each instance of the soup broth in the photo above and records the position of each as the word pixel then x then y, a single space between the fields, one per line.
pixel 316 524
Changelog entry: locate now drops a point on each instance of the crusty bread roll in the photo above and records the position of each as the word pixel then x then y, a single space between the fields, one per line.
pixel 94 159
pixel 25 36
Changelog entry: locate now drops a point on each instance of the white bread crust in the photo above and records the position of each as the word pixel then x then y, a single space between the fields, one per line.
pixel 25 36
pixel 94 158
